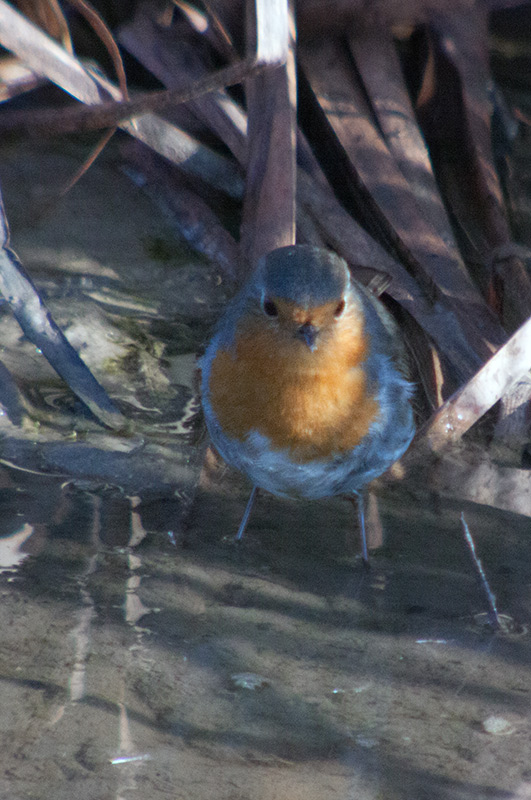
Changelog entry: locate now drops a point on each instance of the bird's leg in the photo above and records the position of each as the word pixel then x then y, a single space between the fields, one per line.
pixel 361 520
pixel 247 514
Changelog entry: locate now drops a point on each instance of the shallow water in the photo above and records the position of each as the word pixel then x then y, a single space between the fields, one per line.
pixel 142 663
pixel 146 656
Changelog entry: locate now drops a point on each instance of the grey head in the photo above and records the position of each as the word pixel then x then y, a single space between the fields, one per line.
pixel 306 275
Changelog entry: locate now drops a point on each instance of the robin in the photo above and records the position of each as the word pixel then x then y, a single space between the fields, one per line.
pixel 304 384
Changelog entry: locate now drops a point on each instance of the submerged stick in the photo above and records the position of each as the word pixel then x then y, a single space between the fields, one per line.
pixel 494 620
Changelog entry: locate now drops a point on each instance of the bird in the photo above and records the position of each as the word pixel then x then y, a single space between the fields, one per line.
pixel 304 384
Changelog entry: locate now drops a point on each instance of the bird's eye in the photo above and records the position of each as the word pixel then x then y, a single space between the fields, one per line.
pixel 270 309
pixel 339 309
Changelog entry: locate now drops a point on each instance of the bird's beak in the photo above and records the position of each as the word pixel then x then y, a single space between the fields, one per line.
pixel 308 333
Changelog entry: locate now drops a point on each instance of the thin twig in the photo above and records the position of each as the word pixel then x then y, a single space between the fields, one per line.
pixel 107 114
pixel 85 166
pixel 493 617
pixel 99 26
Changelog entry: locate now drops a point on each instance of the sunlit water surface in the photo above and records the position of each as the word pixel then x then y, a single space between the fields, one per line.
pixel 144 659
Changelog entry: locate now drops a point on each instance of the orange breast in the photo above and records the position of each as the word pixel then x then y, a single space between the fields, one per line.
pixel 315 404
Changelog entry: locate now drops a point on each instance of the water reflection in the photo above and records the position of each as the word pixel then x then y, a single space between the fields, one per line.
pixel 12 551
pixel 135 666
